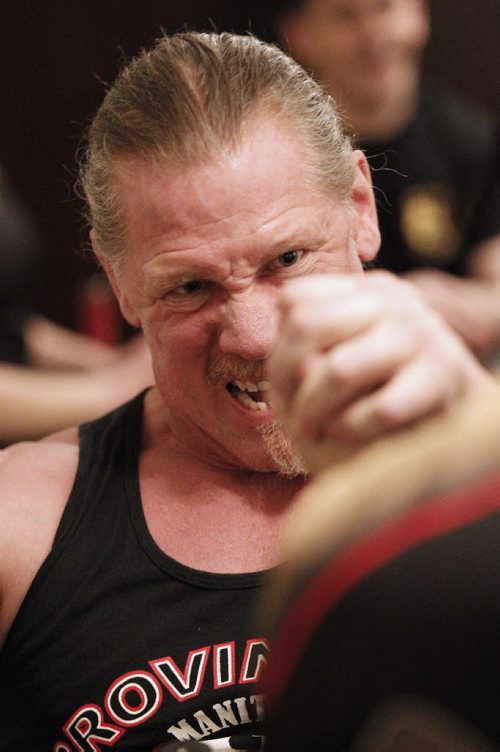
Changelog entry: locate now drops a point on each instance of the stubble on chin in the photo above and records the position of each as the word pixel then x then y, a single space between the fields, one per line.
pixel 277 443
pixel 274 436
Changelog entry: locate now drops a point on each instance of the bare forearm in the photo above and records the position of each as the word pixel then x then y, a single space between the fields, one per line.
pixel 37 401
pixel 471 306
pixel 34 403
pixel 52 346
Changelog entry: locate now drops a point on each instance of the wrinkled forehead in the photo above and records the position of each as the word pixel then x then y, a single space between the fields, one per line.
pixel 246 188
pixel 270 157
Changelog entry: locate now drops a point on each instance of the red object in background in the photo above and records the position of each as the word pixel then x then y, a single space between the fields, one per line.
pixel 98 313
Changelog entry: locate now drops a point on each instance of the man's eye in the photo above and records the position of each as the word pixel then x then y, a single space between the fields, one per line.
pixel 289 258
pixel 191 287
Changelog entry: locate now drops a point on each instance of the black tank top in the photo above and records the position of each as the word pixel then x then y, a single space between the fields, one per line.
pixel 116 645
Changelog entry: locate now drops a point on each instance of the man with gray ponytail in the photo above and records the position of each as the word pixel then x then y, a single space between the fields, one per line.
pixel 230 213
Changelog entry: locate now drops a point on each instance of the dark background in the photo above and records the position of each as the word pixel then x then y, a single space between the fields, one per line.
pixel 55 55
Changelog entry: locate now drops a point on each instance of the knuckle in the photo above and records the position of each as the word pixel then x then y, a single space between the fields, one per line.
pixel 387 414
pixel 296 321
pixel 338 369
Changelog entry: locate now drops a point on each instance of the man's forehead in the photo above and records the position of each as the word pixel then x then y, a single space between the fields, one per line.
pixel 243 210
pixel 270 164
pixel 262 131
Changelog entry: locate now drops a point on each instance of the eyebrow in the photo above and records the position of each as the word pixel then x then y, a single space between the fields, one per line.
pixel 192 260
pixel 179 265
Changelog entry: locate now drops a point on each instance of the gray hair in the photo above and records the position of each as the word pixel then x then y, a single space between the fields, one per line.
pixel 190 99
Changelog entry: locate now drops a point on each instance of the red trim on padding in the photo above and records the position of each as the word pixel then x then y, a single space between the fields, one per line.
pixel 438 516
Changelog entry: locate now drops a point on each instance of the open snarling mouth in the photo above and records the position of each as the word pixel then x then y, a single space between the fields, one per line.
pixel 251 395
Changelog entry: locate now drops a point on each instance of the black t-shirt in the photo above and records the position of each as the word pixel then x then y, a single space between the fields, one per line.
pixel 118 645
pixel 428 182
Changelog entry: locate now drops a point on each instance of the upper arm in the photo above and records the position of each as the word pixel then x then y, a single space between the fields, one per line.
pixel 35 482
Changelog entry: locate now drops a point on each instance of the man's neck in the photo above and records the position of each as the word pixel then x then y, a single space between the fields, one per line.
pixel 210 517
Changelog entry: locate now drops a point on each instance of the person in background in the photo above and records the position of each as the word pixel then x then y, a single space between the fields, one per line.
pixel 430 152
pixel 51 377
pixel 229 209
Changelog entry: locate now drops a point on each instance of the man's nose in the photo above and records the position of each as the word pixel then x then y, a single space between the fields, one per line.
pixel 248 323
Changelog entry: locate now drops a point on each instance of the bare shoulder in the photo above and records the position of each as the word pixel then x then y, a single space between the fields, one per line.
pixel 35 482
pixel 39 466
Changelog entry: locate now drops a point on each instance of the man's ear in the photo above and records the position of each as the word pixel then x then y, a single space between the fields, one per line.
pixel 366 230
pixel 128 311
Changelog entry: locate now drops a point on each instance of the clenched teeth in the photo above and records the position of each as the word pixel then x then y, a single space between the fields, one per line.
pixel 250 386
pixel 241 390
pixel 250 403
